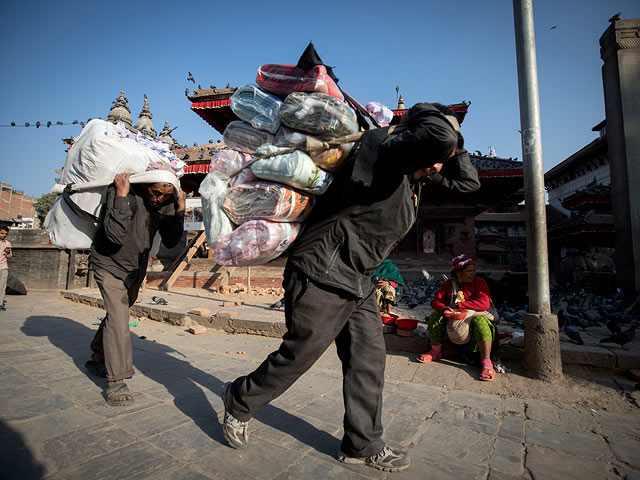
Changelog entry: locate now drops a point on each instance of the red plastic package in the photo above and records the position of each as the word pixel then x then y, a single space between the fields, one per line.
pixel 285 79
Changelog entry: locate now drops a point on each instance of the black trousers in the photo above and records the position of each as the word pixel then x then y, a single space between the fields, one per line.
pixel 315 316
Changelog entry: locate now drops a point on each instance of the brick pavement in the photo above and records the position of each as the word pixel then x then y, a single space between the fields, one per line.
pixel 56 425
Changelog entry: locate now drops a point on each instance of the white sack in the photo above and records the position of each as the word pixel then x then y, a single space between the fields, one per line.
pixel 97 155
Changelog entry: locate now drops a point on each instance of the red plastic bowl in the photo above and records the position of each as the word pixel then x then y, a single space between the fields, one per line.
pixel 407 323
pixel 388 318
pixel 456 314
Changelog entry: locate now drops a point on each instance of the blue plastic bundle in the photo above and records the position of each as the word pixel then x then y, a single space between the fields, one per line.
pixel 244 137
pixel 259 108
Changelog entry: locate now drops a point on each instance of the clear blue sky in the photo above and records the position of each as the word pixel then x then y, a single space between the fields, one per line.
pixel 68 61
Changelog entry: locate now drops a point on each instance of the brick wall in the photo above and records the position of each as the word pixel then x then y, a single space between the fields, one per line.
pixel 28 236
pixel 14 204
pixel 40 266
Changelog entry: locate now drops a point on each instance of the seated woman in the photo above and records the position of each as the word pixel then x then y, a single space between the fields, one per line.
pixel 386 278
pixel 463 291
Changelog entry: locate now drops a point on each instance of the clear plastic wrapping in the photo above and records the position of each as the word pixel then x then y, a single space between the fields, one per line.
pixel 380 112
pixel 243 137
pixel 266 200
pixel 243 176
pixel 330 160
pixel 285 79
pixel 295 169
pixel 255 243
pixel 229 162
pixel 259 108
pixel 319 114
pixel 212 192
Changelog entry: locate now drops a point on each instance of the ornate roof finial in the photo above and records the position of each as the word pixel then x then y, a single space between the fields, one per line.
pixel 144 125
pixel 120 111
pixel 145 108
pixel 165 135
pixel 401 103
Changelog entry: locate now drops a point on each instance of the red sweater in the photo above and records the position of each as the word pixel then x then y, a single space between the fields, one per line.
pixel 476 296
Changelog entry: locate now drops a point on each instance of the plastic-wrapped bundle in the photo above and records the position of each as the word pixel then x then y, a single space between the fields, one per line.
pixel 295 169
pixel 212 191
pixel 380 112
pixel 230 162
pixel 330 160
pixel 243 176
pixel 268 201
pixel 241 136
pixel 285 79
pixel 319 114
pixel 258 108
pixel 255 243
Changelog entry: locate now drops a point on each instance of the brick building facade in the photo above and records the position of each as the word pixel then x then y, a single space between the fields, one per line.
pixel 17 209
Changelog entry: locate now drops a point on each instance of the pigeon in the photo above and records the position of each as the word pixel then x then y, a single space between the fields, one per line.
pixel 583 323
pixel 278 304
pixel 159 300
pixel 616 17
pixel 621 338
pixel 591 317
pixel 574 320
pixel 562 321
pixel 572 333
pixel 191 79
pixel 613 326
pixel 426 275
pixel 573 310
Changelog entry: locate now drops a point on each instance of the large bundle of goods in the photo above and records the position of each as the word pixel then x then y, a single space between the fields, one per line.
pixel 103 150
pixel 284 151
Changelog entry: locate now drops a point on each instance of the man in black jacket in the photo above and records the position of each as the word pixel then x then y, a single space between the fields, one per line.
pixel 370 206
pixel 119 258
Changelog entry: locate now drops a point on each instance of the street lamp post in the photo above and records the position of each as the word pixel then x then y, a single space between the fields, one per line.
pixel 541 342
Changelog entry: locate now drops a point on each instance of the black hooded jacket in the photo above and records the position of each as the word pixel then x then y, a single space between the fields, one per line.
pixel 355 224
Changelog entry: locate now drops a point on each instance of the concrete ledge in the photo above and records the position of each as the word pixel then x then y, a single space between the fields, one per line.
pixel 246 319
pixel 413 344
pixel 238 325
pixel 587 355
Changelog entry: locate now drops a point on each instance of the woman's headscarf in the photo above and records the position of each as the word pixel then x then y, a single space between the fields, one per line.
pixel 461 262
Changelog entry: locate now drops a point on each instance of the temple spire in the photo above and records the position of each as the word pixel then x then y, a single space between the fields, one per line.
pixel 120 111
pixel 401 103
pixel 144 125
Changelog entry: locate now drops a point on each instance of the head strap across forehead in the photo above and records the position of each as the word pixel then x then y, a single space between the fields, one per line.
pixel 454 122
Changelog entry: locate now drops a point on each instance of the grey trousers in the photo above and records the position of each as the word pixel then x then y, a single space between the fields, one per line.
pixel 315 315
pixel 113 338
pixel 4 274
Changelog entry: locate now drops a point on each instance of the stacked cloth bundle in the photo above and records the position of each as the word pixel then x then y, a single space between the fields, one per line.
pixel 101 151
pixel 258 193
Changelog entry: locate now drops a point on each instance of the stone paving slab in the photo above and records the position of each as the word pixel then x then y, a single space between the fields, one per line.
pixel 56 425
